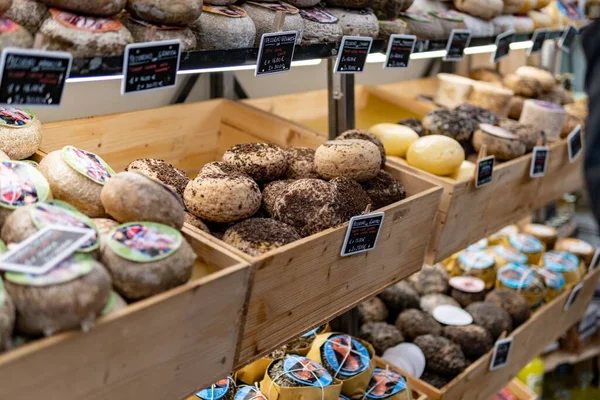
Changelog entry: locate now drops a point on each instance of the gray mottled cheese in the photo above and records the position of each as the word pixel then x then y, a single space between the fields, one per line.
pixel 499 142
pixel 546 116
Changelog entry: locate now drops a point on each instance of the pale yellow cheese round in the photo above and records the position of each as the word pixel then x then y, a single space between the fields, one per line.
pixel 466 171
pixel 396 138
pixel 436 154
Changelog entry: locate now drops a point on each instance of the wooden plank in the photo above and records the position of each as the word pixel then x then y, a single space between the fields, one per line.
pixel 591 348
pixel 185 135
pixel 164 347
pixel 477 382
pixel 520 390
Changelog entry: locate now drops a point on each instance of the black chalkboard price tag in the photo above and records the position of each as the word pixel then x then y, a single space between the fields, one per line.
pixel 484 171
pixel 574 143
pixel 503 42
pixel 41 252
pixel 539 161
pixel 399 49
pixel 362 233
pixel 538 39
pixel 568 38
pixel 150 66
pixel 33 77
pixel 275 53
pixel 353 54
pixel 501 354
pixel 457 43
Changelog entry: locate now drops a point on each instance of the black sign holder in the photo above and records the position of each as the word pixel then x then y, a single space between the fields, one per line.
pixel 399 49
pixel 150 66
pixel 33 77
pixel 362 234
pixel 538 39
pixel 574 143
pixel 539 161
pixel 457 43
pixel 501 355
pixel 275 53
pixel 566 41
pixel 503 42
pixel 353 53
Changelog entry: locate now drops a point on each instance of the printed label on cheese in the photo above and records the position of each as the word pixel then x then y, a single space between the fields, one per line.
pixel 525 243
pixel 21 185
pixel 476 260
pixel 56 212
pixel 318 14
pixel 226 11
pixel 497 131
pixel 346 355
pixel 72 268
pixel 87 164
pixel 144 241
pixel 468 284
pixel 8 26
pixel 246 392
pixel 552 280
pixel 278 6
pixel 11 117
pixel 306 371
pixel 384 383
pixel 85 22
pixel 516 276
pixel 216 391
pixel 560 261
pixel 510 255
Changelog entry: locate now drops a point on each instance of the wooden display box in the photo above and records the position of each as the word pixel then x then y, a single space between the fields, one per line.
pixel 477 382
pixel 466 214
pixel 163 347
pixel 297 286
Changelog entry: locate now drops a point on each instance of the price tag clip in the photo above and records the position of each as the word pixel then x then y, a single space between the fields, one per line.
pixel 399 49
pixel 151 65
pixel 457 43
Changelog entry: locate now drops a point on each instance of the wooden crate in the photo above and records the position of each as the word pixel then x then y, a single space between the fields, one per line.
pixel 295 287
pixel 477 382
pixel 520 390
pixel 466 214
pixel 163 347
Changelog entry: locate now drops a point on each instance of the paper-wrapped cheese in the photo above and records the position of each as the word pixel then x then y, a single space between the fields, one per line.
pixel 546 116
pixel 494 98
pixel 436 154
pixel 452 90
pixel 580 248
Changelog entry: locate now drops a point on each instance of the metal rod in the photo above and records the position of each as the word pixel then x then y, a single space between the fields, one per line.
pixel 340 89
pixel 222 85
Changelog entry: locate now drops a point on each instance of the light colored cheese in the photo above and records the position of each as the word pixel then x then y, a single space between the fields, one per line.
pixel 540 20
pixel 544 77
pixel 486 9
pixel 580 248
pixel 436 154
pixel 494 98
pixel 479 27
pixel 546 234
pixel 396 138
pixel 523 6
pixel 465 172
pixel 452 90
pixel 545 116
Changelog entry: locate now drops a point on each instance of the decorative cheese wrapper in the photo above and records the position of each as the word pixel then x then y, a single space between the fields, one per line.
pixel 221 390
pixel 479 245
pixel 566 264
pixel 295 377
pixel 11 117
pixel 22 185
pixel 278 6
pixel 522 279
pixel 57 212
pixel 85 22
pixel 144 241
pixel 544 233
pixel 478 264
pixel 528 245
pixel 72 268
pixel 87 164
pixel 346 358
pixel 504 255
pixel 253 372
pixel 580 248
pixel 247 392
pixel 318 14
pixel 386 384
pixel 226 11
pixel 555 283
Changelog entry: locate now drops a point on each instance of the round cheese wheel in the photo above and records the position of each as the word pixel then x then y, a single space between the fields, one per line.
pixel 486 9
pixel 396 138
pixel 436 154
pixel 464 172
pixel 544 233
pixel 492 97
pixel 545 116
pixel 545 78
pixel 500 143
pixel 580 248
pixel 452 90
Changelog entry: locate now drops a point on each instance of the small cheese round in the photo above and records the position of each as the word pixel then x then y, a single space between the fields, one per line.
pixel 523 85
pixel 262 161
pixel 301 163
pixel 161 12
pixel 20 133
pixel 383 190
pixel 161 171
pixel 436 154
pixel 351 158
pixel 396 138
pixel 368 136
pixel 529 134
pixel 580 248
pixel 486 74
pixel 492 97
pixel 544 233
pixel 545 78
pixel 257 236
pixel 500 143
pixel 464 172
pixel 449 123
pixel 515 107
